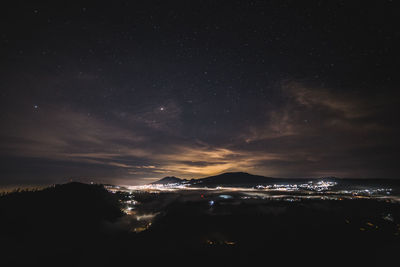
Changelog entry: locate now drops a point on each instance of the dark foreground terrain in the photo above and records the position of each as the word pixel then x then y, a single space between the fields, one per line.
pixel 86 225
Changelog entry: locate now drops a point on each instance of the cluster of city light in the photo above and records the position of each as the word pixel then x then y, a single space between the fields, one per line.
pixel 159 187
pixel 143 221
pixel 293 198
pixel 141 228
pixel 367 192
pixel 318 186
pixel 312 186
pixel 320 189
pixel 220 242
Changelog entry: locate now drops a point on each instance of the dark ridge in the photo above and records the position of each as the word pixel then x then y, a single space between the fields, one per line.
pixel 234 178
pixel 53 226
pixel 245 179
pixel 74 206
pixel 228 178
pixel 169 180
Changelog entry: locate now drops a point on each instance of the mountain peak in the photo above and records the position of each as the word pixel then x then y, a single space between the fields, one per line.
pixel 227 178
pixel 169 180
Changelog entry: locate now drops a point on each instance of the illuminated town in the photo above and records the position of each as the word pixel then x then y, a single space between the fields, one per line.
pixel 143 214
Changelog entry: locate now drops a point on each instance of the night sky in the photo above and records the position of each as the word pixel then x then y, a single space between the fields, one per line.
pixel 127 91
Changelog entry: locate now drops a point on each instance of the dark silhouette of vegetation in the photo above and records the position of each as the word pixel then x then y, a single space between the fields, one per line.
pixel 59 219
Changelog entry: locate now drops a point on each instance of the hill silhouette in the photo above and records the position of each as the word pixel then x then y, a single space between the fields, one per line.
pixel 244 179
pixel 224 179
pixel 58 220
pixel 235 178
pixel 88 203
pixel 169 180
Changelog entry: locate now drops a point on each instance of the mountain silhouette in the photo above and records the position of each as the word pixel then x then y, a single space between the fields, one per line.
pixel 169 180
pixel 235 178
pixel 224 179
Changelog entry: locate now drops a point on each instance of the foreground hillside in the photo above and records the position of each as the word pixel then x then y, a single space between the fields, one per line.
pixel 56 221
pixel 86 225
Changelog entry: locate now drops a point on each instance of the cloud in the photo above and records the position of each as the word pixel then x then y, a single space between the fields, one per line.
pixel 321 131
pixel 310 111
pixel 164 117
pixel 340 104
pixel 133 148
pixel 312 132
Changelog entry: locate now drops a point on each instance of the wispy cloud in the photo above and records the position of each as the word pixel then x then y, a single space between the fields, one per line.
pixel 313 132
